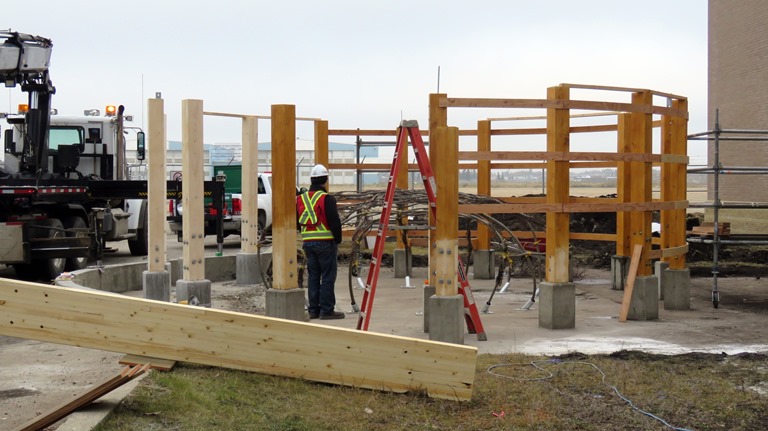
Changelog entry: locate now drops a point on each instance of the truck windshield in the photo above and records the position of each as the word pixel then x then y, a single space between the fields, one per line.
pixel 65 136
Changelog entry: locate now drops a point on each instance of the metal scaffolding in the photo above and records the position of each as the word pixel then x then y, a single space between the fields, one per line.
pixel 716 169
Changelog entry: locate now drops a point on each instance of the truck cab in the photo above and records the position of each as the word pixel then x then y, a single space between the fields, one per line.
pixel 56 208
pixel 232 217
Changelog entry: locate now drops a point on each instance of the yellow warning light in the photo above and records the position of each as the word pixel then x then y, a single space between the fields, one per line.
pixel 111 111
pixel 23 108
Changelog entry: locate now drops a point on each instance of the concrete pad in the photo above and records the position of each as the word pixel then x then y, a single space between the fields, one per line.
pixel 484 264
pixel 429 291
pixel 446 319
pixel 557 305
pixel 677 295
pixel 248 267
pixel 644 304
pixel 186 290
pixel 285 304
pixel 658 270
pixel 157 285
pixel 619 271
pixel 402 263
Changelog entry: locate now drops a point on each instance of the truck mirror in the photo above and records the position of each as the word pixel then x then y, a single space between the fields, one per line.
pixel 141 150
pixel 10 147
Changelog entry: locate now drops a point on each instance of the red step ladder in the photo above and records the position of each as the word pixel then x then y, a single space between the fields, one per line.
pixel 410 129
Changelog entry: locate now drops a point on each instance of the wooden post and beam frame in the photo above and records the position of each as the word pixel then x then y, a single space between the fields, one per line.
pixel 623 188
pixel 107 321
pixel 250 183
pixel 445 165
pixel 558 187
pixel 321 142
pixel 641 141
pixel 483 179
pixel 284 265
pixel 157 185
pixel 438 117
pixel 674 132
pixel 192 189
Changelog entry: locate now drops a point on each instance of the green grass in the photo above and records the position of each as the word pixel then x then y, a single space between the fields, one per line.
pixel 702 392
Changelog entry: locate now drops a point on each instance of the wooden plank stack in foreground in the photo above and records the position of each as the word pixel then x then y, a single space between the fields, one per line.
pixel 235 340
pixel 62 411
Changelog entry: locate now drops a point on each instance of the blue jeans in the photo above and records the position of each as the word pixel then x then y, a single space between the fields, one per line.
pixel 321 276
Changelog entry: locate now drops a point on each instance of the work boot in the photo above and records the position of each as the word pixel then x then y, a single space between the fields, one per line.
pixel 332 316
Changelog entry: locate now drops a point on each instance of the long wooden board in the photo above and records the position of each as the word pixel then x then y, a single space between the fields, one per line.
pixel 235 340
pixel 64 410
pixel 630 286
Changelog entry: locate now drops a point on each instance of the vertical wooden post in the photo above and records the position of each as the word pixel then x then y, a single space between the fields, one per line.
pixel 558 189
pixel 321 142
pixel 192 189
pixel 156 182
pixel 438 117
pixel 641 142
pixel 284 265
pixel 250 210
pixel 674 183
pixel 483 180
pixel 402 184
pixel 446 164
pixel 623 191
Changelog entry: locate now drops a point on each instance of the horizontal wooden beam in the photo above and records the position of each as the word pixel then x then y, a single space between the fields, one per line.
pixel 259 117
pixel 624 89
pixel 559 156
pixel 560 104
pixel 229 115
pixel 112 322
pixel 384 167
pixel 544 117
pixel 668 252
pixel 570 207
pixel 385 132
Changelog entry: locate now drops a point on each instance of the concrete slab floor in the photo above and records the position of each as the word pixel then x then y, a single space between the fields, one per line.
pixel 510 329
pixel 52 373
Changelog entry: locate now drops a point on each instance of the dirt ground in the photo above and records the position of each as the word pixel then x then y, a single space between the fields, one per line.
pixel 36 377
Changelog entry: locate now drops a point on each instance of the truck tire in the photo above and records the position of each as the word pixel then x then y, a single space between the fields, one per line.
pixel 48 269
pixel 25 271
pixel 139 245
pixel 75 263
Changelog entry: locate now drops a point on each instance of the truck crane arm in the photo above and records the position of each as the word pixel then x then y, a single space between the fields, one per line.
pixel 25 60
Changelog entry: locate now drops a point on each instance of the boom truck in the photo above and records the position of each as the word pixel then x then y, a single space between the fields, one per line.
pixel 64 186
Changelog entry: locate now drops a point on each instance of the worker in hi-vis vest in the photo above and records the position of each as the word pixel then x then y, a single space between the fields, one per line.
pixel 321 232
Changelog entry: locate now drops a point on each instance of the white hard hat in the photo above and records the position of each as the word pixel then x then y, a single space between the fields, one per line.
pixel 318 171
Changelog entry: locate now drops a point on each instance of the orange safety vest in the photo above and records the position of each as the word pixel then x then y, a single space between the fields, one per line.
pixel 312 227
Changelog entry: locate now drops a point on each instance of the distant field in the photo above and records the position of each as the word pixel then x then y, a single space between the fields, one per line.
pixel 695 195
pixel 742 221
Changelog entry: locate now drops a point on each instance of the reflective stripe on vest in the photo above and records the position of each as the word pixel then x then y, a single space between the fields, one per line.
pixel 309 219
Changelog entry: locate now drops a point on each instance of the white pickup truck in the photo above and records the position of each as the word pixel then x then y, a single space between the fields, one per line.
pixel 232 211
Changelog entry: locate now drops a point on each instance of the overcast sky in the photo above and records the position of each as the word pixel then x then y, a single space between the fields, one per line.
pixel 358 64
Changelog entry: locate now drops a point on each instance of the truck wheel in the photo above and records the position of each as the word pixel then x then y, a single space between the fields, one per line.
pixel 25 271
pixel 75 263
pixel 139 245
pixel 49 268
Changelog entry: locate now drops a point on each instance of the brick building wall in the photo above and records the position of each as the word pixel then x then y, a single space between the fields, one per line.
pixel 738 87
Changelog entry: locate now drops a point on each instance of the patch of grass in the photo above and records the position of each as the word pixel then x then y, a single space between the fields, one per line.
pixel 701 392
